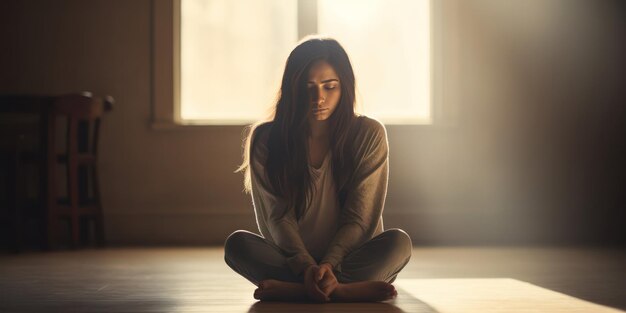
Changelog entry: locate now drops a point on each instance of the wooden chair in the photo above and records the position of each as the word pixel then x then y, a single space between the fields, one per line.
pixel 82 204
pixel 13 216
pixel 83 113
pixel 22 143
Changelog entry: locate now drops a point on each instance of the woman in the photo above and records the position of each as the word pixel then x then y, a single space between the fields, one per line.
pixel 318 176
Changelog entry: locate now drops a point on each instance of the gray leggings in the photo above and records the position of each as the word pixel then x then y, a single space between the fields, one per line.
pixel 381 258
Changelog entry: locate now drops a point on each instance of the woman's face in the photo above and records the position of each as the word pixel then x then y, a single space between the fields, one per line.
pixel 324 90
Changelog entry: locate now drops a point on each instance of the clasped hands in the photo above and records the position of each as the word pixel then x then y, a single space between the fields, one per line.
pixel 320 282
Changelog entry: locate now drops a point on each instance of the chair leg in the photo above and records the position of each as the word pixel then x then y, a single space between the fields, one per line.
pixel 99 223
pixel 14 200
pixel 51 232
pixel 17 213
pixel 75 227
pixel 49 186
pixel 72 181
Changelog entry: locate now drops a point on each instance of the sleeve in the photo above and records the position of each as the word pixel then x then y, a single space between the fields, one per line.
pixel 283 231
pixel 365 201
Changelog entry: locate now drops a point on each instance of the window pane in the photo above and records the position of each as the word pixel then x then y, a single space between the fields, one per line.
pixel 232 57
pixel 233 54
pixel 389 45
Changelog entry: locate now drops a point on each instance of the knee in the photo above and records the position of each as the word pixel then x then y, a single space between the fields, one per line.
pixel 235 245
pixel 400 242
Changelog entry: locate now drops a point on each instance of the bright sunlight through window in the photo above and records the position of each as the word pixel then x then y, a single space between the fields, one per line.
pixel 233 53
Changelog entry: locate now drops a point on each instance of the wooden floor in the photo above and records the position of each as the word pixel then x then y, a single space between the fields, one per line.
pixel 197 280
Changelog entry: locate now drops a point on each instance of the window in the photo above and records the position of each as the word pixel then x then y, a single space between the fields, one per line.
pixel 228 61
pixel 232 52
pixel 389 45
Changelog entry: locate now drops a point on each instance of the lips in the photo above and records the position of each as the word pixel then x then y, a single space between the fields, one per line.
pixel 317 111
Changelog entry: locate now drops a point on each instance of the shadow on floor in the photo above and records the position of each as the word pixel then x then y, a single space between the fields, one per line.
pixel 404 303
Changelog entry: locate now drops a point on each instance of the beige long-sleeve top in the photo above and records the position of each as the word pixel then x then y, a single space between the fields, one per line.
pixel 339 230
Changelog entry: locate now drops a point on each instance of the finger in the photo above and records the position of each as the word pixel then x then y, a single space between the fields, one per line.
pixel 327 285
pixel 325 282
pixel 321 295
pixel 328 290
pixel 320 274
pixel 315 292
pixel 318 295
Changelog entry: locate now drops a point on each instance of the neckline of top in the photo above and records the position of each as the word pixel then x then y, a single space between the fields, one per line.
pixel 326 157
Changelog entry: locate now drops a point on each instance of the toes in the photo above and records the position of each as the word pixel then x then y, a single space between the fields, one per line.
pixel 392 294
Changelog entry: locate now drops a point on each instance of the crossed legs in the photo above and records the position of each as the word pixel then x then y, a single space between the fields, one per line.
pixel 365 274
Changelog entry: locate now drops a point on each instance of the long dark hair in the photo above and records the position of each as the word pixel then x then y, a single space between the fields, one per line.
pixel 287 162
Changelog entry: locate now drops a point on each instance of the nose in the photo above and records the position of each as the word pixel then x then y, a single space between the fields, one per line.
pixel 317 96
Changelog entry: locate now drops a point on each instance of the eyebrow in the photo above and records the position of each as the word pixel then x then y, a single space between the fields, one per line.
pixel 324 81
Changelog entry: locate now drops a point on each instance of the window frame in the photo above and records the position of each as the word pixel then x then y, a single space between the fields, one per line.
pixel 165 74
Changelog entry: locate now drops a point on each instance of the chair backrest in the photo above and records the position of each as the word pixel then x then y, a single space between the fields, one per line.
pixel 83 111
pixel 82 106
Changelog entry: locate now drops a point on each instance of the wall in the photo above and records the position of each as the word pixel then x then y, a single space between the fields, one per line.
pixel 535 157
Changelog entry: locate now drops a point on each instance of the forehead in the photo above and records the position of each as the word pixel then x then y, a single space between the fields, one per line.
pixel 321 70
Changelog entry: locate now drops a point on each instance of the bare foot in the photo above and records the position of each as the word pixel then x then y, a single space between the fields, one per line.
pixel 364 291
pixel 275 290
